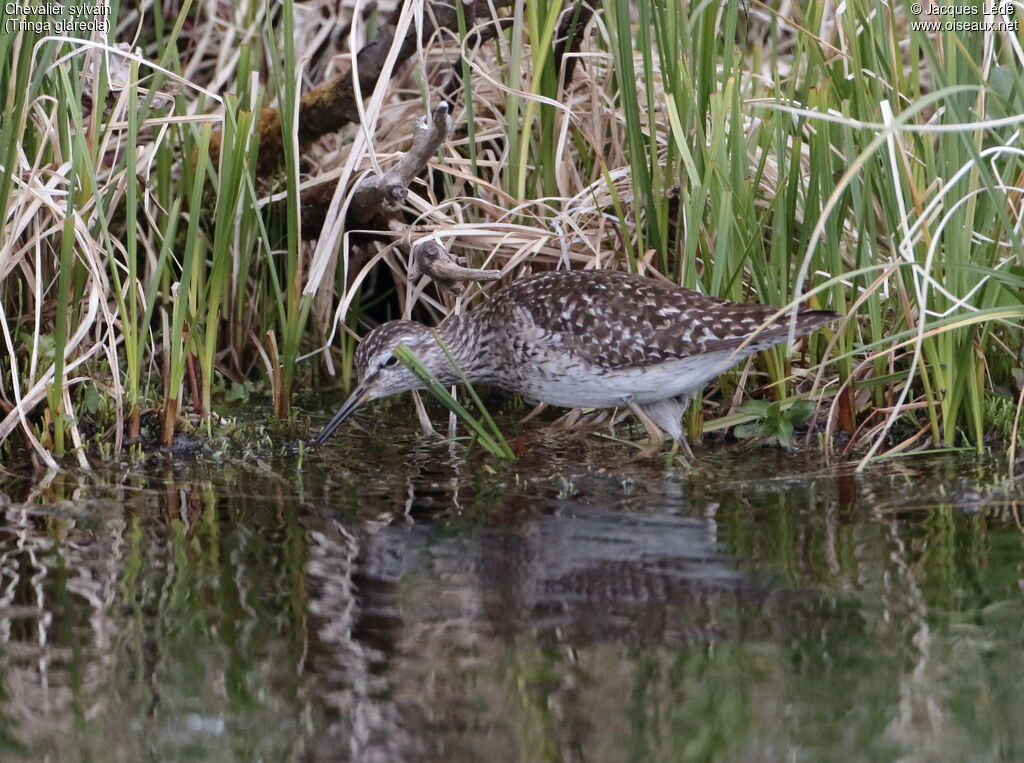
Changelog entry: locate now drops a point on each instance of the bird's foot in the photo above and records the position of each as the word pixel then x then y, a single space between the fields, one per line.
pixel 655 437
pixel 651 450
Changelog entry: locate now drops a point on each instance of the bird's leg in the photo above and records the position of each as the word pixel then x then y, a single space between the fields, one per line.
pixel 656 438
pixel 684 443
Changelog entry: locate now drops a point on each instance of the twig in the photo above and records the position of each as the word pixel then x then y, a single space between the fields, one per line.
pixel 384 194
pixel 434 261
pixel 332 104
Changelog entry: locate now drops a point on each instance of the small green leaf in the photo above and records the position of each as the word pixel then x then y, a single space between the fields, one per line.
pixel 747 431
pixel 800 411
pixel 758 408
pixel 784 433
pixel 236 392
pixel 91 398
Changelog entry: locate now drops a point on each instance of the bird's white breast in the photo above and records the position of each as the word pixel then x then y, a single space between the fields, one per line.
pixel 580 385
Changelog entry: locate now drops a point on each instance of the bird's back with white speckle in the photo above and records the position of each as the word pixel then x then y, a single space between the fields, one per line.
pixel 614 320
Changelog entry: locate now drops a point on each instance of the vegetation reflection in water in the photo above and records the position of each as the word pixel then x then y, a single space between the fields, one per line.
pixel 420 607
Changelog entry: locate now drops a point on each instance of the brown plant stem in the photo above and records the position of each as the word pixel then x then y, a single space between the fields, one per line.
pixel 170 420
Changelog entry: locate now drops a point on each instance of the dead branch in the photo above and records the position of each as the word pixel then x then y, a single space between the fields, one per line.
pixel 381 195
pixel 332 105
pixel 434 261
pixel 571 29
pixel 384 194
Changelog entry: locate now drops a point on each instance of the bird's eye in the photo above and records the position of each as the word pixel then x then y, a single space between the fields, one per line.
pixel 391 360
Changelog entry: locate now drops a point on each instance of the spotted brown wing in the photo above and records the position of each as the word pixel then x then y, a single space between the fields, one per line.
pixel 618 320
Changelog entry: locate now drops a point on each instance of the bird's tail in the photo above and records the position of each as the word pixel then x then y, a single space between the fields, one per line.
pixel 808 320
pixel 779 329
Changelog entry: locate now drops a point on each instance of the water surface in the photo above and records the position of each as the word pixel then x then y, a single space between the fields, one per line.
pixel 415 605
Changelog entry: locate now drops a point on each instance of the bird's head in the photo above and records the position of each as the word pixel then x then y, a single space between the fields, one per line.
pixel 381 374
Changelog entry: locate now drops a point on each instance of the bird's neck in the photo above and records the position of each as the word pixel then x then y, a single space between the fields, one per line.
pixel 460 338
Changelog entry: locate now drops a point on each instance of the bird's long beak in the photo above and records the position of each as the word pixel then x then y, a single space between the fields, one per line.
pixel 359 395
